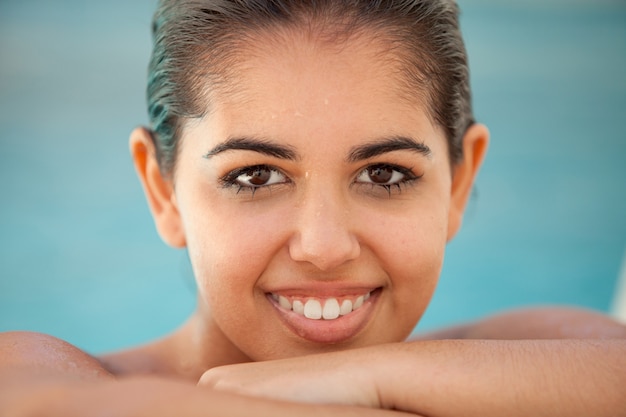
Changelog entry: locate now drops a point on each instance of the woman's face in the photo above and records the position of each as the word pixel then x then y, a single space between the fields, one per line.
pixel 314 199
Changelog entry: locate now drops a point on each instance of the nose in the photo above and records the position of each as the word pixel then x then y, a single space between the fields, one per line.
pixel 323 236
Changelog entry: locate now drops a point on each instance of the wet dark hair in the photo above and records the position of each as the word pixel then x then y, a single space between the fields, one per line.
pixel 196 43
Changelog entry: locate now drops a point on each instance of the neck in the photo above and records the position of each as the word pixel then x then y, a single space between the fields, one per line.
pixel 200 345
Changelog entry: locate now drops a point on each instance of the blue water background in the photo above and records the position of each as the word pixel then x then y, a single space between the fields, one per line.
pixel 79 256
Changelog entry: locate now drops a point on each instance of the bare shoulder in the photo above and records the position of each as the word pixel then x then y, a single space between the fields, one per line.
pixel 548 322
pixel 31 352
pixel 22 351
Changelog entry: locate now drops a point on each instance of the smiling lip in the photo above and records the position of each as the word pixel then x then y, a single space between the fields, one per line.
pixel 325 319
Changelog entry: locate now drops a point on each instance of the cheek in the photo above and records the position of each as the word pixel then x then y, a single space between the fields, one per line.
pixel 411 249
pixel 417 253
pixel 415 237
pixel 229 248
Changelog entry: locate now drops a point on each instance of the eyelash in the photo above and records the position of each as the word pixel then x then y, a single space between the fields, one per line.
pixel 408 178
pixel 231 179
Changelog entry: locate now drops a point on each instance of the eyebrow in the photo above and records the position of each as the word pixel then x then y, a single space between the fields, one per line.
pixel 254 144
pixel 385 145
pixel 356 154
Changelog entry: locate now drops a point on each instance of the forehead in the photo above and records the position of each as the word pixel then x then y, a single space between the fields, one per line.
pixel 294 83
pixel 354 59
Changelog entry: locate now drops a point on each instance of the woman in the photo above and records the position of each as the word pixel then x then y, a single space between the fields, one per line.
pixel 315 157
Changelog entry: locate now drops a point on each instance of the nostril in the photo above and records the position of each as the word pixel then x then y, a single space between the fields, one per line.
pixel 327 252
pixel 322 231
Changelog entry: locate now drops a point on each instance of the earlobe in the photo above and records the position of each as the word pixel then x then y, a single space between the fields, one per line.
pixel 159 190
pixel 475 143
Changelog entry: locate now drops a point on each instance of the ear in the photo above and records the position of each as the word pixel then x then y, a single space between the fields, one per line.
pixel 159 190
pixel 475 143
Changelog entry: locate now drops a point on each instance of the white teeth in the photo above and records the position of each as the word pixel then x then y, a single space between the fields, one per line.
pixel 346 307
pixel 331 309
pixel 298 307
pixel 313 310
pixel 284 302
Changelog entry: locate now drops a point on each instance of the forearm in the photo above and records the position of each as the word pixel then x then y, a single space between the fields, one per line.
pixel 158 397
pixel 495 378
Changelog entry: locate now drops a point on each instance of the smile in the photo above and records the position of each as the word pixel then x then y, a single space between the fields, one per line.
pixel 317 309
pixel 326 317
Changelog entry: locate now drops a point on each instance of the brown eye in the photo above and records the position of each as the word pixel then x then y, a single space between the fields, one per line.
pixel 382 175
pixel 255 177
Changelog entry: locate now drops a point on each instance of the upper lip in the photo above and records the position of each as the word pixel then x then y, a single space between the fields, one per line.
pixel 317 291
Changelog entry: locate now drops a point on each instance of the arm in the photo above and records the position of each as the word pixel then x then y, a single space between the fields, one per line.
pixel 449 377
pixel 568 377
pixel 494 378
pixel 42 375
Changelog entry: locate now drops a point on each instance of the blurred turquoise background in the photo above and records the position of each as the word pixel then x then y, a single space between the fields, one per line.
pixel 79 256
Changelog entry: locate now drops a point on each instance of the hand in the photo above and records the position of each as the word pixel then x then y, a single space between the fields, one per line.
pixel 331 378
